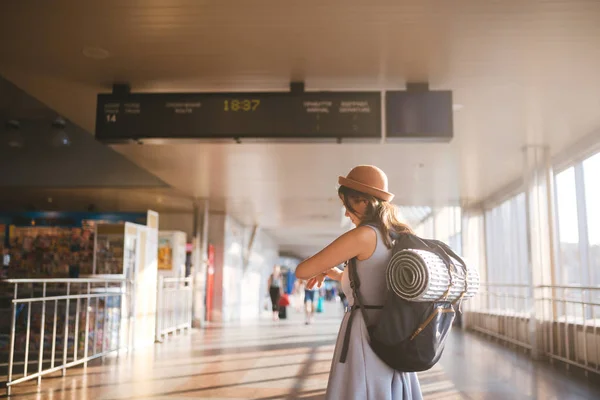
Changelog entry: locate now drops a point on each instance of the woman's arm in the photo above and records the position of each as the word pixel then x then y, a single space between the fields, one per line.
pixel 359 242
pixel 333 273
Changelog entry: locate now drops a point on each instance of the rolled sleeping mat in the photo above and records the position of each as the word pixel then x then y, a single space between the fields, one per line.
pixel 420 275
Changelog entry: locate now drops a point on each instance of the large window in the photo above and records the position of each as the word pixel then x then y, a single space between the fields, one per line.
pixel 578 209
pixel 508 272
pixel 569 271
pixel 448 227
pixel 426 228
pixel 443 224
pixel 591 173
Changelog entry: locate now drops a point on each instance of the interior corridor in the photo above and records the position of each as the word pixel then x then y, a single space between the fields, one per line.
pixel 291 360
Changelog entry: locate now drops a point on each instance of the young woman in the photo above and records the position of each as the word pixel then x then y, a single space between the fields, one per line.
pixel 364 193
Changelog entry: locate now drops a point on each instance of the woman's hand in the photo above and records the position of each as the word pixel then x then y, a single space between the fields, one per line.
pixel 317 280
pixel 335 274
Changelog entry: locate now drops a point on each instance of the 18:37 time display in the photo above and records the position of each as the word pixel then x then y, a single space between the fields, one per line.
pixel 241 105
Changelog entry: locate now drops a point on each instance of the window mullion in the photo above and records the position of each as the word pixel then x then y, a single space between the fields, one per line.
pixel 583 226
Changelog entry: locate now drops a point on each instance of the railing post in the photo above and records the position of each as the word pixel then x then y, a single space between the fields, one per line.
pixel 180 305
pixel 54 334
pixel 191 303
pixel 76 333
pixel 596 339
pixel 585 347
pixel 131 315
pixel 95 340
pixel 121 299
pixel 12 339
pixel 27 339
pixel 566 325
pixel 42 329
pixel 66 337
pixel 552 319
pixel 177 292
pixel 159 310
pixel 87 325
pixel 104 329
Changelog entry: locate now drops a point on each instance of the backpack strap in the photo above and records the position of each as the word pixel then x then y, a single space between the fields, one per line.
pixel 355 285
pixel 451 252
pixel 447 252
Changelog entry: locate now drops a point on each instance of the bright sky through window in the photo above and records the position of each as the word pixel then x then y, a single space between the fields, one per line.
pixel 591 174
pixel 567 206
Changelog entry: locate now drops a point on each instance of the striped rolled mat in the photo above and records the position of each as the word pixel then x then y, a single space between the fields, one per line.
pixel 420 275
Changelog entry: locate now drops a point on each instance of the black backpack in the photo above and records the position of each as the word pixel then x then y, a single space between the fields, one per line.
pixel 409 336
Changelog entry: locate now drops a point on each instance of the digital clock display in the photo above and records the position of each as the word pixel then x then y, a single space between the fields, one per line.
pixel 241 104
pixel 337 115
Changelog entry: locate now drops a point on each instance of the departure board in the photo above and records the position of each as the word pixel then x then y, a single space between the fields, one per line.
pixel 419 115
pixel 287 115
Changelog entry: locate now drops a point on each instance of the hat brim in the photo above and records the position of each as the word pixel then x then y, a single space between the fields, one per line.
pixel 361 187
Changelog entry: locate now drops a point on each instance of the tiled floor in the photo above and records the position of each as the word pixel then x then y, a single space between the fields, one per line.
pixel 289 360
pixel 483 369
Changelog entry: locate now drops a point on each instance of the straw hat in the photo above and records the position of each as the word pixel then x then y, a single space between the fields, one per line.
pixel 368 179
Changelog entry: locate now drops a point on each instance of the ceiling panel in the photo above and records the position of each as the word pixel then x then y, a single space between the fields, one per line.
pixel 41 162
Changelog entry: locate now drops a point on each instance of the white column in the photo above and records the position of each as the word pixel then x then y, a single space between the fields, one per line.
pixel 474 252
pixel 199 262
pixel 537 179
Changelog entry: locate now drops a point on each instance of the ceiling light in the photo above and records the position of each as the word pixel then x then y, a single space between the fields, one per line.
pixel 14 137
pixel 59 136
pixel 95 53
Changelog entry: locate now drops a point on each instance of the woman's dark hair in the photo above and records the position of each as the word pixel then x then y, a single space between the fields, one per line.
pixel 380 213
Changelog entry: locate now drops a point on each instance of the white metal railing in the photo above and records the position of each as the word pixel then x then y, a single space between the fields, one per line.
pixel 571 322
pixel 101 299
pixel 174 306
pixel 566 326
pixel 501 311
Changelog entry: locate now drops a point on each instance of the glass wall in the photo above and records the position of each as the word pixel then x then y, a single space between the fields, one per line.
pixel 570 294
pixel 474 254
pixel 578 215
pixel 591 174
pixel 443 224
pixel 507 272
pixel 448 227
pixel 569 263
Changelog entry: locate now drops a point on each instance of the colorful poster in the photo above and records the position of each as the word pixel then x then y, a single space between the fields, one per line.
pixel 165 253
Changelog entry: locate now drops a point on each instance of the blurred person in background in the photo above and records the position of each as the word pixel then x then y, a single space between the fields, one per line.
pixel 275 284
pixel 310 305
pixel 5 262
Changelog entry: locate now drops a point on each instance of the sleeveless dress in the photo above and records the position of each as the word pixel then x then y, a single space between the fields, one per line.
pixel 364 376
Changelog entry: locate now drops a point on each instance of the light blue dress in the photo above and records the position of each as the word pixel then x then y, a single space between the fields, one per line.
pixel 364 376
